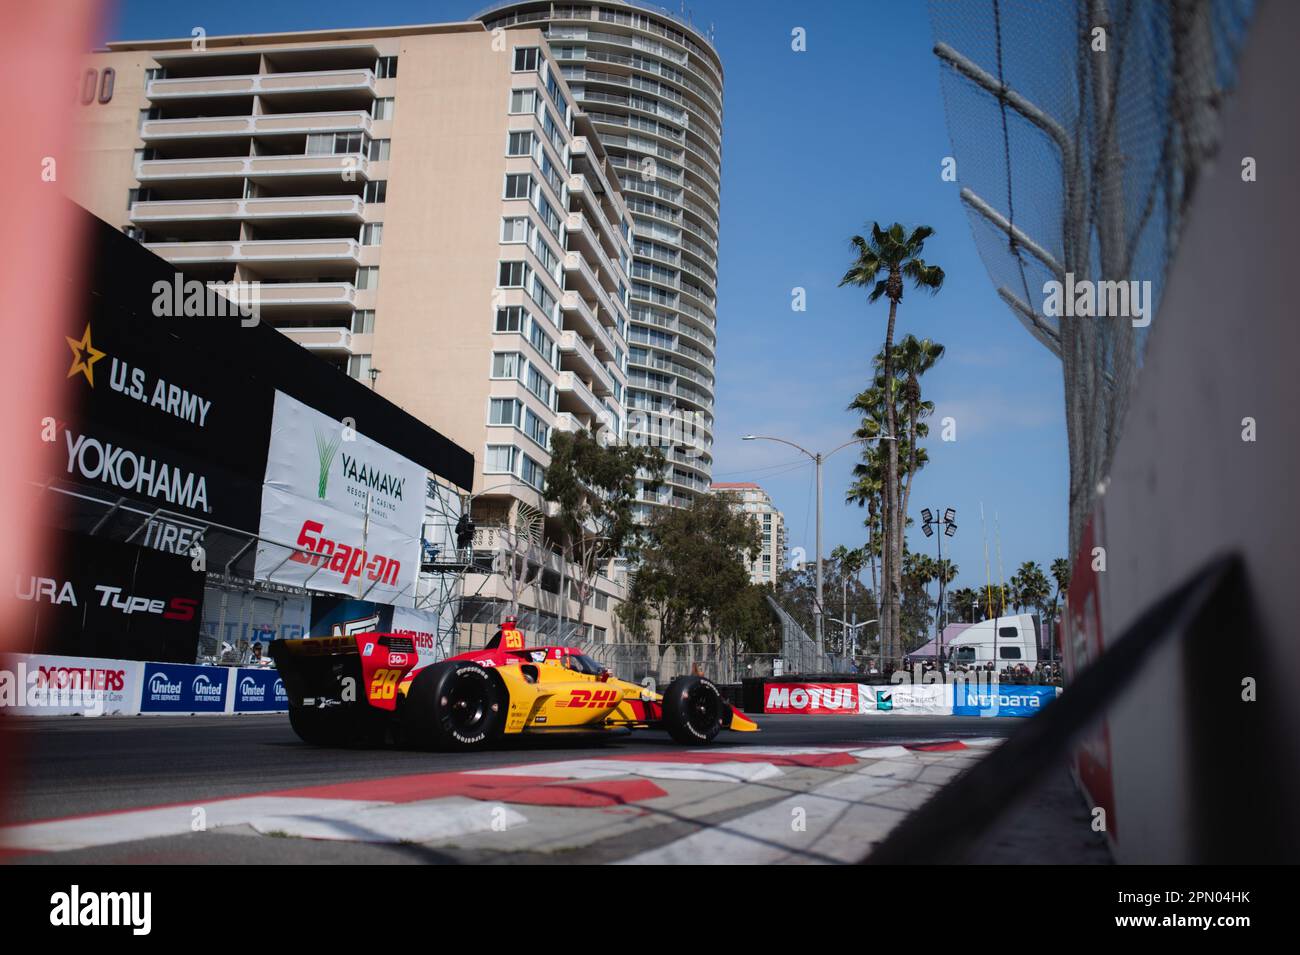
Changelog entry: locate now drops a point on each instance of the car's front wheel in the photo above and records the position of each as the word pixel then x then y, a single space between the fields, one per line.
pixel 693 710
pixel 453 705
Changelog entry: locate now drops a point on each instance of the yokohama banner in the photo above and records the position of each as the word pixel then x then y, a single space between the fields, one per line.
pixel 355 505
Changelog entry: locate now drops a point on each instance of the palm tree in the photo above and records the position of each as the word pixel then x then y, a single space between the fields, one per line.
pixel 1029 587
pixel 913 358
pixel 896 255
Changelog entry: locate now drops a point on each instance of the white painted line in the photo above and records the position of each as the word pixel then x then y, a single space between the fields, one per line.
pixel 59 835
pixel 650 769
pixel 437 819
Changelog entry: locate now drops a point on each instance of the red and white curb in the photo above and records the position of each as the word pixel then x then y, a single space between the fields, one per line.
pixel 432 807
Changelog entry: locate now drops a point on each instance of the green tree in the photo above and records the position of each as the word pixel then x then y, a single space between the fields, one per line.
pixel 594 486
pixel 693 561
pixel 743 623
pixel 1029 587
pixel 882 261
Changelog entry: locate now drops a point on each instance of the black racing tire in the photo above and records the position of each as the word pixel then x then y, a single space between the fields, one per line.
pixel 454 705
pixel 693 710
pixel 339 726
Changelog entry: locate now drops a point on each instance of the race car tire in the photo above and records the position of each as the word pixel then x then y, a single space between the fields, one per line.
pixel 454 705
pixel 338 726
pixel 692 710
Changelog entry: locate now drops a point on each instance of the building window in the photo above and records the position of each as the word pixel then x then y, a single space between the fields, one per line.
pixel 509 318
pixel 527 59
pixel 536 428
pixel 542 342
pixel 514 229
pixel 500 459
pixel 382 108
pixel 326 144
pixel 363 321
pixel 523 101
pixel 520 144
pixel 538 384
pixel 379 150
pixel 359 367
pixel 519 185
pixel 155 73
pixel 368 277
pixel 386 67
pixel 512 275
pixel 504 411
pixel 372 233
pixel 532 473
pixel 376 191
pixel 133 232
pixel 505 364
pixel 600 601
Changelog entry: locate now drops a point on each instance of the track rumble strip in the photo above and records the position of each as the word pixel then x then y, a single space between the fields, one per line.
pixel 779 804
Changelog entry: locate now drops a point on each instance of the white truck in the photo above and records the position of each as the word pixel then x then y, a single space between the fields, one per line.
pixel 1004 640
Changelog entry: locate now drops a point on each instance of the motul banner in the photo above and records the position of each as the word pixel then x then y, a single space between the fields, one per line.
pixel 810 698
pixel 352 505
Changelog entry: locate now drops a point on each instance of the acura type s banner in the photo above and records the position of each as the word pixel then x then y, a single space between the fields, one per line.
pixel 350 509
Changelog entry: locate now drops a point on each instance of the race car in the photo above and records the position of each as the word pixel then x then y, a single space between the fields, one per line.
pixel 366 689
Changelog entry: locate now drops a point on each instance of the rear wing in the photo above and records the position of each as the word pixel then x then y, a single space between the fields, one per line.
pixel 340 671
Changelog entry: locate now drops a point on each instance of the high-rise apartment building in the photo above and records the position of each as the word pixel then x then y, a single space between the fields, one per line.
pixel 652 86
pixel 751 499
pixel 427 208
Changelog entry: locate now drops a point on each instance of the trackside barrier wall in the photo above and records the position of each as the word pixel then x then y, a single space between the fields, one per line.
pixel 926 699
pixel 35 684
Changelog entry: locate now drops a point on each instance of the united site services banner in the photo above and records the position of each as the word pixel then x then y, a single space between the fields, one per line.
pixel 352 504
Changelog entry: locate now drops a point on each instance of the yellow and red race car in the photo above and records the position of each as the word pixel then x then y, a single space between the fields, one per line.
pixel 367 689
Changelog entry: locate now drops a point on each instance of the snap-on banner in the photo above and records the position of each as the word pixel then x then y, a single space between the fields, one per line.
pixel 1004 699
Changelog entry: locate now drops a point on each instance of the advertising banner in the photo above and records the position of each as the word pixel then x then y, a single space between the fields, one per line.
pixel 432 641
pixel 180 688
pixel 810 698
pixel 906 698
pixel 355 505
pixel 39 684
pixel 96 597
pixel 259 691
pixel 1002 699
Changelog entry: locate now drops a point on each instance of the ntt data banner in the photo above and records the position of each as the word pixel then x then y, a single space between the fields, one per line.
pixel 355 505
pixel 1003 699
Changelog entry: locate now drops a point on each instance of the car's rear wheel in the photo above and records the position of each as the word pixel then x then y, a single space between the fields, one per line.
pixel 454 705
pixel 693 710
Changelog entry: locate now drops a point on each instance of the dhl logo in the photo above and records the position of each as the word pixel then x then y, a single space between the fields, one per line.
pixel 591 699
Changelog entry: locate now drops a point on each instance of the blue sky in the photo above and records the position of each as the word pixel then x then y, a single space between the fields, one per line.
pixel 816 145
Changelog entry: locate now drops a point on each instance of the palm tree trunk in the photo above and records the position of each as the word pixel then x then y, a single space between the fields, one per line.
pixel 895 586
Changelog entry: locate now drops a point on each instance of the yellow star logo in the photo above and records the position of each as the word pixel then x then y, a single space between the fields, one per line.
pixel 84 356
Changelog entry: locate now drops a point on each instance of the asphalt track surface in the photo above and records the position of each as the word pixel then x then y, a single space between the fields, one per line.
pixel 72 767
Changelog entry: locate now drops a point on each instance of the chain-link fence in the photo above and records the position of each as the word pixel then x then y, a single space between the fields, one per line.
pixel 1079 129
pixel 799 652
pixel 663 662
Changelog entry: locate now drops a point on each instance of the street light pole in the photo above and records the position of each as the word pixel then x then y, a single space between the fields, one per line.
pixel 946 526
pixel 818 458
